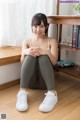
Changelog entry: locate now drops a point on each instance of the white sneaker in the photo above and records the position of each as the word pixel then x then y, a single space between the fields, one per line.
pixel 49 102
pixel 21 104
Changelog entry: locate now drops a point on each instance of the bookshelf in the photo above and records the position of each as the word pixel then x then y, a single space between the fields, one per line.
pixel 69 48
pixel 61 20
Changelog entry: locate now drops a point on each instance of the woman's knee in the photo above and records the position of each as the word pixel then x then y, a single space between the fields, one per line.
pixel 30 59
pixel 44 59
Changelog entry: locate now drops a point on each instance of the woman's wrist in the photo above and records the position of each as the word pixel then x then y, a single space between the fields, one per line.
pixel 25 52
pixel 48 52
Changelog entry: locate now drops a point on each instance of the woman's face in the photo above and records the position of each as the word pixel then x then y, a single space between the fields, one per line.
pixel 39 30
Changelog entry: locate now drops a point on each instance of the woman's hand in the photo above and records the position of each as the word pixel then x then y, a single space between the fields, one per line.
pixel 43 51
pixel 33 51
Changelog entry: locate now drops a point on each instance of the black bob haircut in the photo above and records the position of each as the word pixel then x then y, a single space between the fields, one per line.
pixel 38 18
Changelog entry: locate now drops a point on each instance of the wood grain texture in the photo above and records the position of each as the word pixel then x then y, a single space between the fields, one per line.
pixel 9 55
pixel 67 108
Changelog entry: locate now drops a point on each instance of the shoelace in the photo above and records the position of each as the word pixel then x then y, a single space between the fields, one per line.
pixel 46 99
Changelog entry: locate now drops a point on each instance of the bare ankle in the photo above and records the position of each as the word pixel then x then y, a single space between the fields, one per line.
pixel 23 89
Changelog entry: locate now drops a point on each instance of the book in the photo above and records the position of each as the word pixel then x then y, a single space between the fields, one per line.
pixel 78 38
pixel 74 36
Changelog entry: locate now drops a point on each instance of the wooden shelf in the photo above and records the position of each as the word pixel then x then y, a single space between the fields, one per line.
pixel 64 19
pixel 65 47
pixel 61 20
pixel 69 70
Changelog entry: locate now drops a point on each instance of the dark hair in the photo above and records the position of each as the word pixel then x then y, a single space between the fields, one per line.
pixel 37 18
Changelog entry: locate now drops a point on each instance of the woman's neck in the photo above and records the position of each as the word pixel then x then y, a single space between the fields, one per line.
pixel 37 38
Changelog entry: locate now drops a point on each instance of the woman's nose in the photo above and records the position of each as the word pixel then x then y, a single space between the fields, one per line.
pixel 38 28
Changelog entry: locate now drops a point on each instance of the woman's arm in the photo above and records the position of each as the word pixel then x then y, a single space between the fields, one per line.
pixel 25 45
pixel 53 53
pixel 27 50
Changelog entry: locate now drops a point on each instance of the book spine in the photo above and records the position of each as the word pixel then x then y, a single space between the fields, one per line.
pixel 78 39
pixel 74 36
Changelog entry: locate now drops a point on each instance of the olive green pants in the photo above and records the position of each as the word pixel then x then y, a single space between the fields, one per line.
pixel 37 72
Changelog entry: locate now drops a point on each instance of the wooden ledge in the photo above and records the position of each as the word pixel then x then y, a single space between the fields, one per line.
pixel 9 55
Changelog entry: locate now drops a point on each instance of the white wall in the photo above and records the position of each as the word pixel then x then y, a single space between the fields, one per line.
pixel 9 72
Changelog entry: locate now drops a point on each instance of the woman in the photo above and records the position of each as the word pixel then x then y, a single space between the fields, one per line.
pixel 39 54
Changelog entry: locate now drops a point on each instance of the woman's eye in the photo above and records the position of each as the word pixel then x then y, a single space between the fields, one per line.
pixel 35 26
pixel 41 26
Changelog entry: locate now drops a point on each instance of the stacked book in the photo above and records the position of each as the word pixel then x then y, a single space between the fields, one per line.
pixel 76 37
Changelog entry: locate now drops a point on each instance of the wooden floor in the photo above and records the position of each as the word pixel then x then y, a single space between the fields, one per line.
pixel 67 108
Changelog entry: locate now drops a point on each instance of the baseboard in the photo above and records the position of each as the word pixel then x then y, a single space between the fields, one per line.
pixel 9 84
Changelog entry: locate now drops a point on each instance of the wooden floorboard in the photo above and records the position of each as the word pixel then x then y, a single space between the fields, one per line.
pixel 67 108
